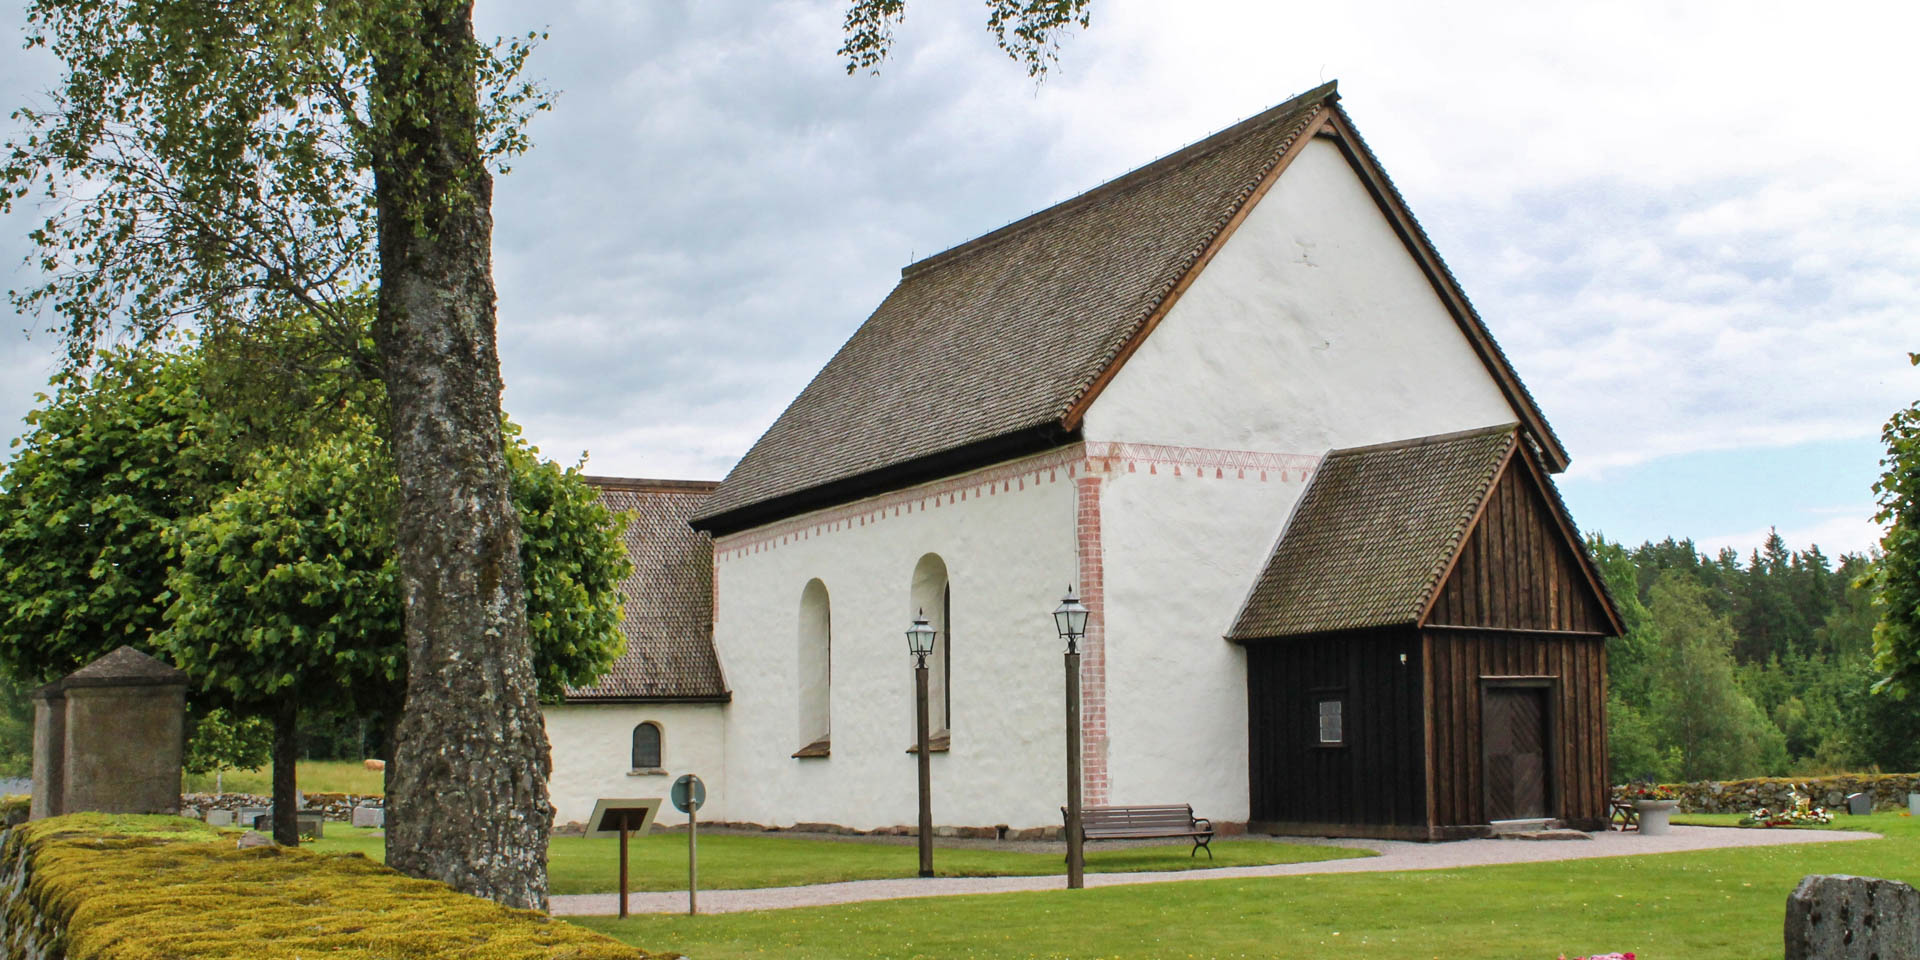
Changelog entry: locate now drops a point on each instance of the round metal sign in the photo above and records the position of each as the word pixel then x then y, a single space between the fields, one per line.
pixel 689 793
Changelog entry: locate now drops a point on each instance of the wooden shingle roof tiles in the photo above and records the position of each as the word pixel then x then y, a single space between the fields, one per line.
pixel 1006 332
pixel 1373 534
pixel 667 600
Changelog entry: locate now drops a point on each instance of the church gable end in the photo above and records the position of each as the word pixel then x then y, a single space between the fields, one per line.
pixel 1518 568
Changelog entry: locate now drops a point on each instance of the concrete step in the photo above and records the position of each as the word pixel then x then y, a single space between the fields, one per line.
pixel 1521 826
pixel 1555 834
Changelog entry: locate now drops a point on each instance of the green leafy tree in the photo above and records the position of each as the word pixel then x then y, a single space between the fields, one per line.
pixel 219 741
pixel 110 461
pixel 1896 640
pixel 1697 704
pixel 1634 750
pixel 16 729
pixel 275 585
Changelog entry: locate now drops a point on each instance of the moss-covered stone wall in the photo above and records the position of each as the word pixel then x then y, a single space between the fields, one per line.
pixel 111 887
pixel 1888 790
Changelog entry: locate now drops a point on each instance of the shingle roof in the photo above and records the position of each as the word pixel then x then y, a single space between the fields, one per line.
pixel 1373 533
pixel 991 349
pixel 1005 332
pixel 668 599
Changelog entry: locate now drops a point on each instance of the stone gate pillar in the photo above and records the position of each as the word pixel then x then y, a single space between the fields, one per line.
pixel 109 736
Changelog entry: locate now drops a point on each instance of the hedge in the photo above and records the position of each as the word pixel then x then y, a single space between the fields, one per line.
pixel 110 887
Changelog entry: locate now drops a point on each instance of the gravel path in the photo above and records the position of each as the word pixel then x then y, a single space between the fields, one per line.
pixel 1394 855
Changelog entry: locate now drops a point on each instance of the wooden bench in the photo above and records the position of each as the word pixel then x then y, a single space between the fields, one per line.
pixel 1146 823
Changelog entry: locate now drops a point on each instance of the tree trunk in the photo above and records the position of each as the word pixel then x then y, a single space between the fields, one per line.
pixel 468 804
pixel 286 749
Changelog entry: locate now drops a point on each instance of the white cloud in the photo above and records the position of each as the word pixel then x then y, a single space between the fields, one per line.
pixel 1842 530
pixel 1692 226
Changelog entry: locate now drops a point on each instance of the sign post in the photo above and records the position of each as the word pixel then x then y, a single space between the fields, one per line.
pixel 688 795
pixel 622 818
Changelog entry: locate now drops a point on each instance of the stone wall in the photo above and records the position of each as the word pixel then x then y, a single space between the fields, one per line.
pixel 1888 790
pixel 336 806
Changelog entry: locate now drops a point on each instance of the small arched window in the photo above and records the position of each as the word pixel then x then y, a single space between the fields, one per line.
pixel 646 746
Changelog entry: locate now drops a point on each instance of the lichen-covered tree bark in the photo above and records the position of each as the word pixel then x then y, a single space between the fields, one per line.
pixel 470 775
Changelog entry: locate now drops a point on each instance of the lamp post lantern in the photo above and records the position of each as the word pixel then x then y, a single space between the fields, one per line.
pixel 1070 619
pixel 920 644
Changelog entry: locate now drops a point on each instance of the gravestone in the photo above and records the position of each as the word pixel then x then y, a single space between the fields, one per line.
pixel 1837 917
pixel 219 818
pixel 108 737
pixel 369 816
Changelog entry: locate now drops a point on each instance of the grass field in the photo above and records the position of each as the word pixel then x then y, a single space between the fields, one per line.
pixel 733 861
pixel 1713 905
pixel 314 776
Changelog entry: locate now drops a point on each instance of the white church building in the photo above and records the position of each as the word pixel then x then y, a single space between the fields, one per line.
pixel 1130 393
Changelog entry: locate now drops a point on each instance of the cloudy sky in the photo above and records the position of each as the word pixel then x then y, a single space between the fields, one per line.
pixel 1694 227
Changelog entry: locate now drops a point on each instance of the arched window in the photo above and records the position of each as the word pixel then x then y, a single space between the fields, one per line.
pixel 815 674
pixel 933 598
pixel 646 746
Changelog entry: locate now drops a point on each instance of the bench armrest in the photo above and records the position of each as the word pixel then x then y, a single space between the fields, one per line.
pixel 1198 821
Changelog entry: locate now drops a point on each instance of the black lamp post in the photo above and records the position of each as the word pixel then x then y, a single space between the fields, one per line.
pixel 1070 618
pixel 920 644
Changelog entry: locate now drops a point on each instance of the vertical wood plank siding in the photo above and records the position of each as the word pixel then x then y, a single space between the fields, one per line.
pixel 1579 665
pixel 1378 776
pixel 1516 571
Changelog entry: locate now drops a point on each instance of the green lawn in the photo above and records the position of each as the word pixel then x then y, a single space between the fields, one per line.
pixel 734 861
pixel 313 776
pixel 1713 905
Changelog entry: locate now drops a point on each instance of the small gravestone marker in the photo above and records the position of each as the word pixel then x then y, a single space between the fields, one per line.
pixel 1837 917
pixel 1859 804
pixel 369 816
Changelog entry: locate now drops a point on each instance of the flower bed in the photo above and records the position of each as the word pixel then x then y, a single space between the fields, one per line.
pixel 106 887
pixel 1798 812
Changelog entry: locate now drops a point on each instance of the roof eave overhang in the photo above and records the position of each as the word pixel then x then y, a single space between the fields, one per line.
pixel 1401 623
pixel 706 698
pixel 1006 446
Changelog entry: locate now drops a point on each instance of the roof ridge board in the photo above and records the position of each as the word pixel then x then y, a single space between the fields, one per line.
pixel 1429 439
pixel 1199 149
pixel 1359 143
pixel 650 485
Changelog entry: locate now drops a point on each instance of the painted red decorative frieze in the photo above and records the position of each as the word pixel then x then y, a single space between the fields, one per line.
pixel 1077 463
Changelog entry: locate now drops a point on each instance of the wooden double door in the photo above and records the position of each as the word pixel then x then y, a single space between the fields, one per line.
pixel 1516 727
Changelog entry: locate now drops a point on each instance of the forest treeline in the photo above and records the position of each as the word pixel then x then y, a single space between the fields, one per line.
pixel 1761 667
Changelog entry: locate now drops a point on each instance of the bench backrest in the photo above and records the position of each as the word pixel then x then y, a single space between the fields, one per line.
pixel 1166 817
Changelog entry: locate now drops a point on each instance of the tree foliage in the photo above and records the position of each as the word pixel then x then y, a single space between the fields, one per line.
pixel 1715 729
pixel 134 511
pixel 210 163
pixel 1896 641
pixel 1028 31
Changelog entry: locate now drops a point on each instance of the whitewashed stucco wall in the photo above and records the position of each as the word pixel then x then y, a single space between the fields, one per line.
pixel 592 746
pixel 1008 553
pixel 1312 329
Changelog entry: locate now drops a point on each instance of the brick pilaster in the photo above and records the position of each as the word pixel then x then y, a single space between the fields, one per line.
pixel 1093 648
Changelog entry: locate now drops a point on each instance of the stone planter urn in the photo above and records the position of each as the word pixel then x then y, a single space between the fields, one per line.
pixel 1655 816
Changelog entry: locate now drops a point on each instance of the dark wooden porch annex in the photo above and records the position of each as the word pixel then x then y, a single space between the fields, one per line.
pixel 1517 620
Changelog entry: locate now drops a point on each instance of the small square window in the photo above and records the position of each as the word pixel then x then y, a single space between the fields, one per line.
pixel 1332 729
